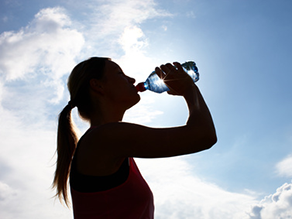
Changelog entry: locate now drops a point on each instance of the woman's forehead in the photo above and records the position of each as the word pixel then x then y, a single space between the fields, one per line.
pixel 110 65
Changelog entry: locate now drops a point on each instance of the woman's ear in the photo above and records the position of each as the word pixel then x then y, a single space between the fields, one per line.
pixel 96 86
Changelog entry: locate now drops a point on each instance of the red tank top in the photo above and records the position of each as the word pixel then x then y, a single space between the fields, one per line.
pixel 131 200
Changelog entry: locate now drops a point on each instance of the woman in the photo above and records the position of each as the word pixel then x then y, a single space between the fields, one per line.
pixel 104 179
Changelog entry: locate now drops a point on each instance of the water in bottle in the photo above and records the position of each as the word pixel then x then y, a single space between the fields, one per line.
pixel 156 84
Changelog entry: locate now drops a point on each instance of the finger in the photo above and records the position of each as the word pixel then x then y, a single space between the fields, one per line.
pixel 167 68
pixel 159 73
pixel 170 67
pixel 178 65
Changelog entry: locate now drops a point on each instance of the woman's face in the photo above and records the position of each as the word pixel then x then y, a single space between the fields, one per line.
pixel 118 87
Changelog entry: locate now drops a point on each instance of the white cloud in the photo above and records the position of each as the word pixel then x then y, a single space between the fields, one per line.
pixel 108 19
pixel 33 62
pixel 46 47
pixel 132 39
pixel 135 63
pixel 179 194
pixel 5 191
pixel 115 15
pixel 275 206
pixel 284 167
pixel 143 113
pixel 26 169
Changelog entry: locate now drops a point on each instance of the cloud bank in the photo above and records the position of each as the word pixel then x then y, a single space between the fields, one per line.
pixel 33 62
pixel 179 194
pixel 274 206
pixel 46 47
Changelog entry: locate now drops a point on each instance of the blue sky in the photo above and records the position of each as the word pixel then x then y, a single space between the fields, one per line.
pixel 243 50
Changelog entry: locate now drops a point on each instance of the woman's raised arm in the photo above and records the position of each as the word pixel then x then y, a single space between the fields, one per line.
pixel 132 140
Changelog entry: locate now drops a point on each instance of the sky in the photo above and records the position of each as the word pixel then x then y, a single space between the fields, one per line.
pixel 243 50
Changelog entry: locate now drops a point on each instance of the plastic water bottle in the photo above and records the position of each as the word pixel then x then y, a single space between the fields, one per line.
pixel 155 83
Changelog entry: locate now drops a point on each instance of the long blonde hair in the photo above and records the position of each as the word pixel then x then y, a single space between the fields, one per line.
pixel 78 86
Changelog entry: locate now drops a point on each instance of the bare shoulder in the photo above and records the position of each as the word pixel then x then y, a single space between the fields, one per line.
pixel 118 132
pixel 94 155
pixel 115 140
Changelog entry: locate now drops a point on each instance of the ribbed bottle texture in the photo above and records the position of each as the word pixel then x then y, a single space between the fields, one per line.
pixel 155 84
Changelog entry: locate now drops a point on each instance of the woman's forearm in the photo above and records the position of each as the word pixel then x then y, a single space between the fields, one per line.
pixel 199 114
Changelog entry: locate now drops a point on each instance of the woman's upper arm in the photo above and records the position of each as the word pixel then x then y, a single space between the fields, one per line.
pixel 131 140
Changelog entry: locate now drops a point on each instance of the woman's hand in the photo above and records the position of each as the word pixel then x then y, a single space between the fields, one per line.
pixel 176 79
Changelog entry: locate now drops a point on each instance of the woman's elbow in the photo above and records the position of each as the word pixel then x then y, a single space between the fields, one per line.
pixel 211 136
pixel 210 140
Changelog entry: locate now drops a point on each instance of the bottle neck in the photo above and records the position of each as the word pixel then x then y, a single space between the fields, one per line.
pixel 140 87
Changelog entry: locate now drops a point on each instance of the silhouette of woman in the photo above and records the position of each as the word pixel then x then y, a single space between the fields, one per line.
pixel 105 181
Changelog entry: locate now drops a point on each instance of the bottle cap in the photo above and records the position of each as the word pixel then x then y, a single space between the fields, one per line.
pixel 140 87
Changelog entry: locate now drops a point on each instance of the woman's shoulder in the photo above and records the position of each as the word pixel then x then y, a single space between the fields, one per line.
pixel 94 155
pixel 111 131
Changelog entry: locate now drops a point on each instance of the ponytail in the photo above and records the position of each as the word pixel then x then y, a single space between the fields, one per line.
pixel 66 144
pixel 78 85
